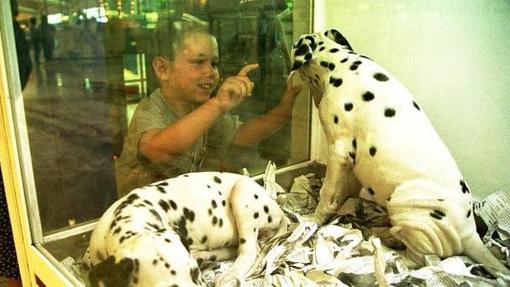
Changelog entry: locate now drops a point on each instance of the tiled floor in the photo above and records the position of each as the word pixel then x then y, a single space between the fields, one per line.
pixel 71 144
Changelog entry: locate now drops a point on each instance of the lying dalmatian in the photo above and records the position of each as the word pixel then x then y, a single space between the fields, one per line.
pixel 380 139
pixel 154 235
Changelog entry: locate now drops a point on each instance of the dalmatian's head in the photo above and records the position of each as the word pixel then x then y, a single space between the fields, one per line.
pixel 142 262
pixel 312 57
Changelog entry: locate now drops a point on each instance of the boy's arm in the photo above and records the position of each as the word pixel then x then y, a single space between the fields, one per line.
pixel 260 128
pixel 166 144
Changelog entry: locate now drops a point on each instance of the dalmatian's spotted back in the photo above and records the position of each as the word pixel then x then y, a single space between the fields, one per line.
pixel 380 139
pixel 154 235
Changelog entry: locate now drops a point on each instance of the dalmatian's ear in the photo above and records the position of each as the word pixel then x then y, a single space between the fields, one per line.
pixel 109 273
pixel 336 36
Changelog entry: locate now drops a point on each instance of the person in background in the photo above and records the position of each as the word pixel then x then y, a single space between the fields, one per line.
pixel 22 49
pixel 35 39
pixel 185 125
pixel 46 37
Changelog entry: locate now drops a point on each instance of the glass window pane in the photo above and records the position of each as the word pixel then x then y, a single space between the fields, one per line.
pixel 93 65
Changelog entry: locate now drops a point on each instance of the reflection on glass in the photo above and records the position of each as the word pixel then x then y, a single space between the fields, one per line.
pixel 80 99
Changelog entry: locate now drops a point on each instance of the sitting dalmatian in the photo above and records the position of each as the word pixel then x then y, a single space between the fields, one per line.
pixel 380 139
pixel 154 235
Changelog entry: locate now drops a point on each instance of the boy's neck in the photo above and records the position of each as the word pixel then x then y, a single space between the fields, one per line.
pixel 180 107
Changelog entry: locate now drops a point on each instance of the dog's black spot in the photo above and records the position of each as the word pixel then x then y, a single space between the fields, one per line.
pixel 303 49
pixel 368 96
pixel 352 155
pixel 299 42
pixel 371 191
pixel 463 185
pixel 214 220
pixel 113 224
pixel 190 241
pixel 161 189
pixel 381 77
pixel 308 57
pixel 321 49
pixel 167 266
pixel 344 60
pixel 313 45
pixel 208 186
pixel 182 231
pixel 219 193
pixel 324 64
pixel 266 209
pixel 354 143
pixel 372 150
pixel 389 198
pixel 172 272
pixel 336 82
pixel 389 112
pixel 440 199
pixel 223 203
pixel 437 214
pixel 147 202
pixel 335 119
pixel 204 239
pixel 155 214
pixel 155 262
pixel 186 175
pixel 242 240
pixel 173 205
pixel 468 213
pixel 256 196
pixel 153 226
pixel 213 257
pixel 334 50
pixel 362 56
pixel 269 219
pixel 214 204
pixel 217 179
pixel 331 66
pixel 188 214
pixel 220 222
pixel 256 215
pixel 297 65
pixel 164 205
pixel 209 211
pixel 167 240
pixel 117 230
pixel 354 66
pixel 348 107
pixel 416 106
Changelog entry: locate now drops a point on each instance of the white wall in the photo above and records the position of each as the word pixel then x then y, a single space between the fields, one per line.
pixel 454 56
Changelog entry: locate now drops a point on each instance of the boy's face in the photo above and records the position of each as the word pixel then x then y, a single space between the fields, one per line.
pixel 193 75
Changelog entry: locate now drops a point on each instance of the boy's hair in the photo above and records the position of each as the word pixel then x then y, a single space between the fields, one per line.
pixel 170 34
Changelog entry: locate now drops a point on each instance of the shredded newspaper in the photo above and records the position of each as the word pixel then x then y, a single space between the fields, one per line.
pixel 351 249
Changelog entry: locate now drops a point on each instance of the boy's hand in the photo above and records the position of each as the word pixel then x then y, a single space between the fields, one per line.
pixel 235 88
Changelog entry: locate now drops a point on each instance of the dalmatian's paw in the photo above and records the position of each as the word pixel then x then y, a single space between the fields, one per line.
pixel 228 279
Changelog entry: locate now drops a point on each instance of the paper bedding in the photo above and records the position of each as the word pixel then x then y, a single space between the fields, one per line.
pixel 349 250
